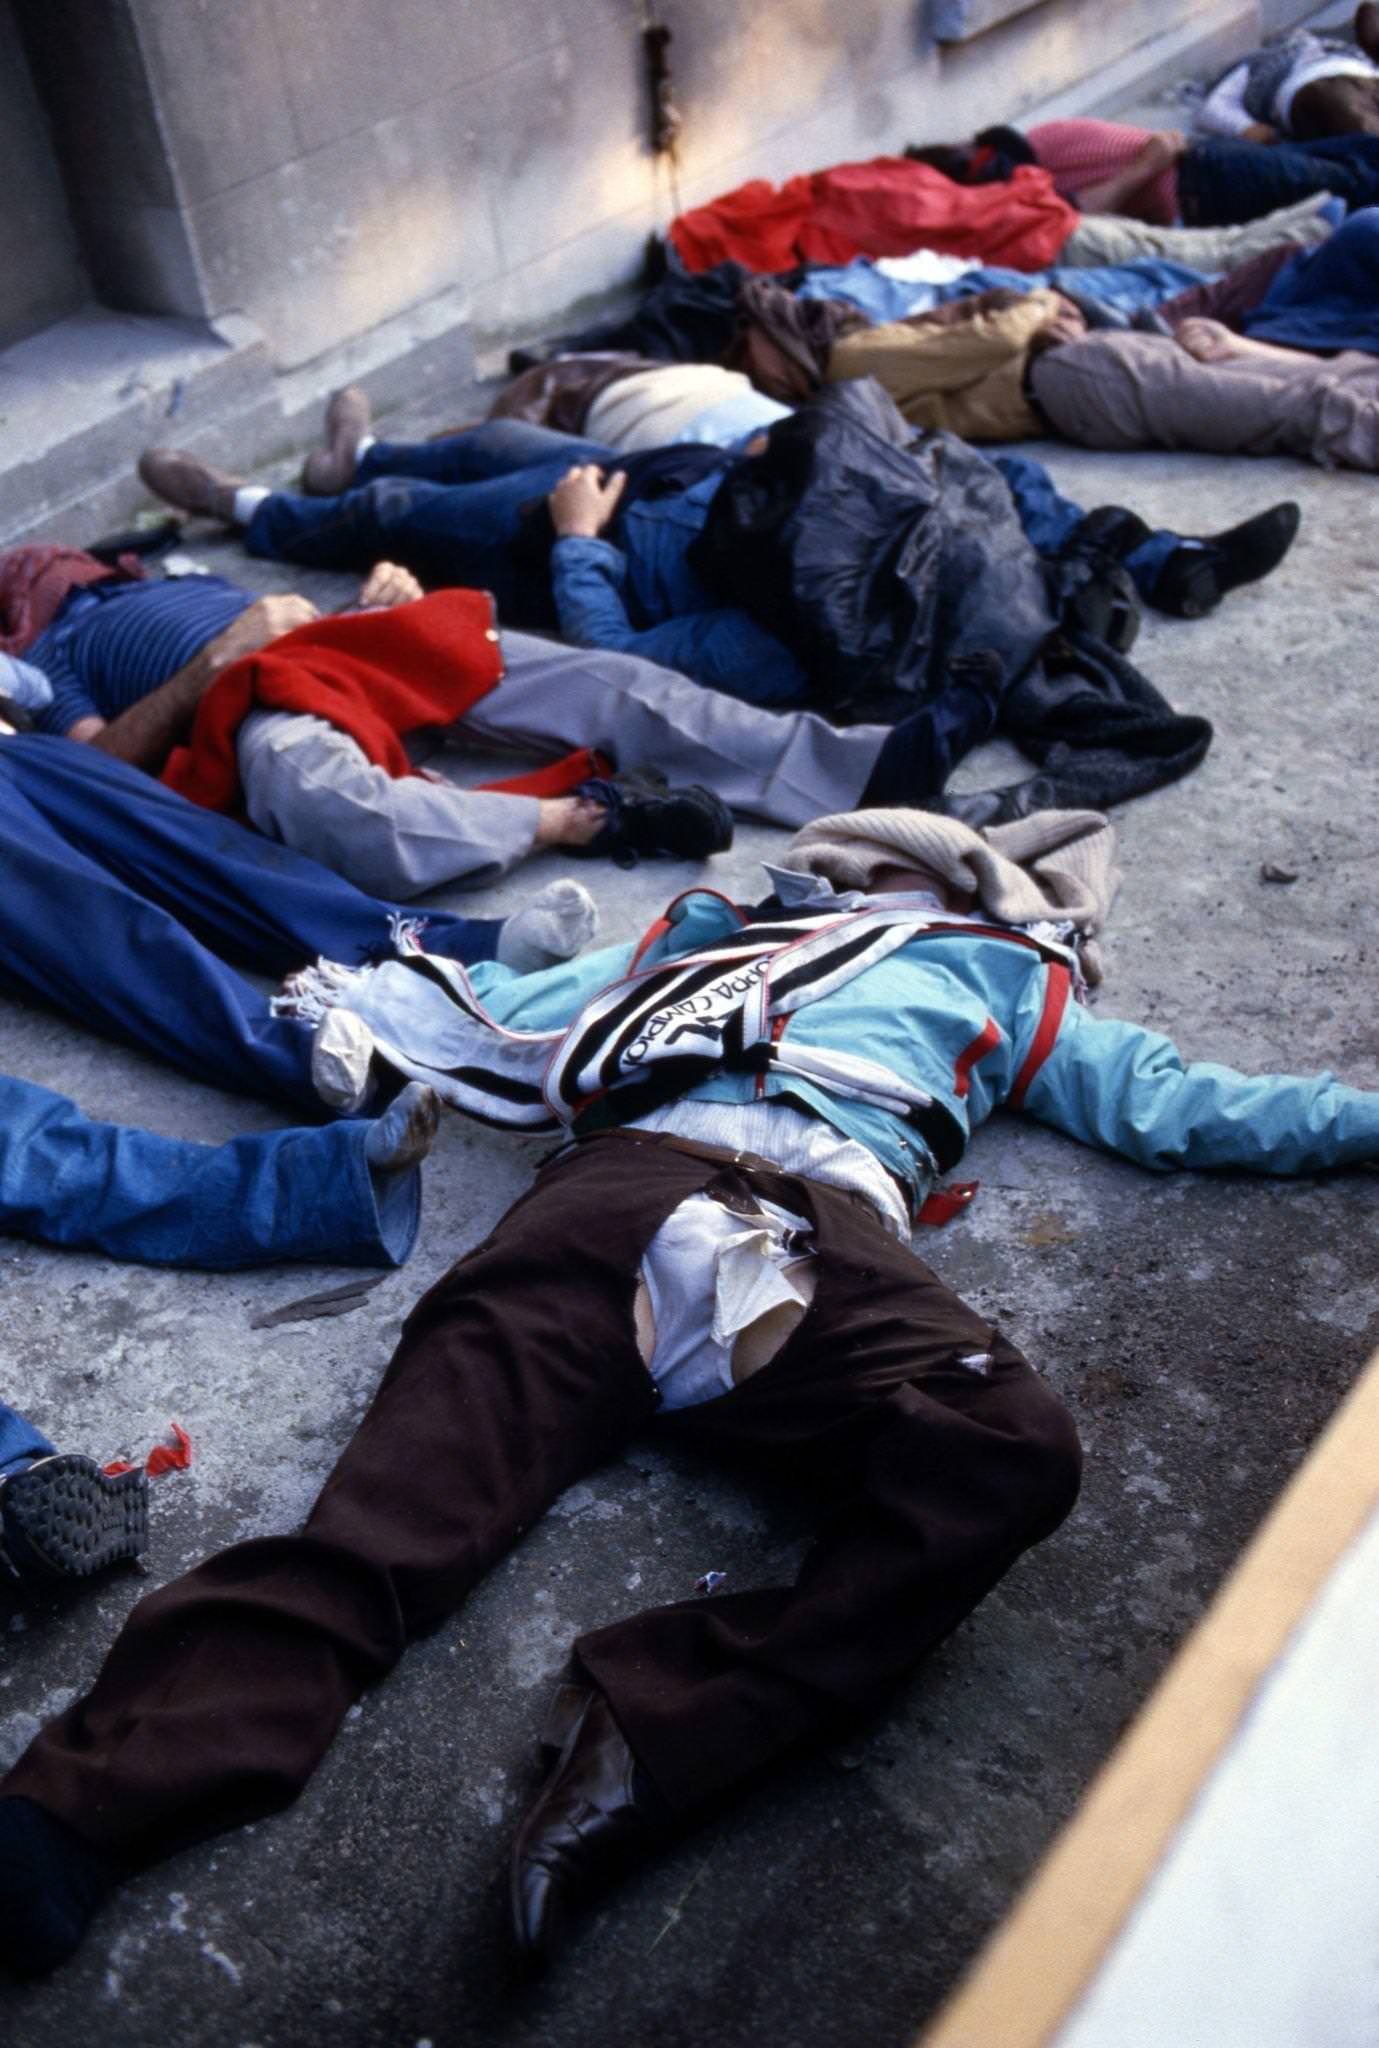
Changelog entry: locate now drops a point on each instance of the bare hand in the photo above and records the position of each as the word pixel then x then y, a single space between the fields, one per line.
pixel 268 618
pixel 1259 131
pixel 386 585
pixel 582 503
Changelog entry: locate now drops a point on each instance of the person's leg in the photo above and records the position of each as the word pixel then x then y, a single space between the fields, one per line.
pixel 788 767
pixel 151 882
pixel 20 1442
pixel 494 448
pixel 1050 521
pixel 1103 238
pixel 311 786
pixel 941 1456
pixel 68 1179
pixel 1222 182
pixel 446 534
pixel 513 1376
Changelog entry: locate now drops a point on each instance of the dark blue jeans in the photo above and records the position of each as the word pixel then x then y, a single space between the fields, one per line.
pixel 451 510
pixel 20 1442
pixel 120 904
pixel 299 1194
pixel 1222 182
pixel 1048 518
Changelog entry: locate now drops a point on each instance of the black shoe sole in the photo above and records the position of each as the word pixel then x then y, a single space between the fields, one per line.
pixel 65 1519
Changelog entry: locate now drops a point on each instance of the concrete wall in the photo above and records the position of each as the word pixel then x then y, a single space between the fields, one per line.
pixel 324 165
pixel 41 276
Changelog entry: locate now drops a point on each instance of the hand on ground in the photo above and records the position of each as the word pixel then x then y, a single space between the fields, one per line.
pixel 582 503
pixel 386 585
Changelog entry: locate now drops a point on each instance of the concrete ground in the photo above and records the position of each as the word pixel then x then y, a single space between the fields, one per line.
pixel 1201 1329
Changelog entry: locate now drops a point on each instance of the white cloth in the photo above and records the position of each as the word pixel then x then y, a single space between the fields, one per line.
pixel 711 1273
pixel 794 1142
pixel 1223 111
pixel 679 402
pixel 926 266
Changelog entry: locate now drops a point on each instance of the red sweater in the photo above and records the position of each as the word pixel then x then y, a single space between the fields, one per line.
pixel 377 675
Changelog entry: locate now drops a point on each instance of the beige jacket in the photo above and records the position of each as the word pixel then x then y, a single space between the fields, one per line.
pixel 961 367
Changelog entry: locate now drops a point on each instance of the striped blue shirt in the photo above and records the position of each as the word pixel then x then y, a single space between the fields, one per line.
pixel 114 642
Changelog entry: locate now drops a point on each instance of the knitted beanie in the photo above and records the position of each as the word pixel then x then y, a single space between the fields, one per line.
pixel 1053 864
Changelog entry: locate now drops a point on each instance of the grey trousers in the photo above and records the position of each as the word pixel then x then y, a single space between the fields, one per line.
pixel 309 785
pixel 1117 390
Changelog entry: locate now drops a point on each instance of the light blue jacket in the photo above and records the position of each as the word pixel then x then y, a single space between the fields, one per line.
pixel 980 1018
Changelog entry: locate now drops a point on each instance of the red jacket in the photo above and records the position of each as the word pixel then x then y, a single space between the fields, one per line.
pixel 377 675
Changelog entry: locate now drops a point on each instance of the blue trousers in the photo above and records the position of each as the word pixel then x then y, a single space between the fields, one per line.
pixel 407 498
pixel 121 904
pixel 1328 297
pixel 300 1194
pixel 450 510
pixel 1222 181
pixel 1048 518
pixel 20 1442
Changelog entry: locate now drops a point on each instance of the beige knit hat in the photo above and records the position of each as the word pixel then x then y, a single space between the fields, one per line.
pixel 1053 864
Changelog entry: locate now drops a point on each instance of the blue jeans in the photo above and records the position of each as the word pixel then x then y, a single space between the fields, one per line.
pixel 20 1442
pixel 300 1194
pixel 1048 518
pixel 451 510
pixel 120 904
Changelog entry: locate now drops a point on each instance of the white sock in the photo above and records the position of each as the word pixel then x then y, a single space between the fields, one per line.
pixel 363 445
pixel 248 498
pixel 558 922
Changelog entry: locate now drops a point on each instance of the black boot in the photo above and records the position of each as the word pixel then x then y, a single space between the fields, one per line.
pixel 1194 580
pixel 645 817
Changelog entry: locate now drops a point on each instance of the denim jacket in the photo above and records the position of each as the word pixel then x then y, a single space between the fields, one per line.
pixel 645 598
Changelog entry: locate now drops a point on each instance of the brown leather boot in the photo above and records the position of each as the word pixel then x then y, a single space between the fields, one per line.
pixel 330 470
pixel 189 483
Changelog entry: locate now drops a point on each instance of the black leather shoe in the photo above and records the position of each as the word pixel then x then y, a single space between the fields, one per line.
pixel 596 1814
pixel 1194 580
pixel 645 817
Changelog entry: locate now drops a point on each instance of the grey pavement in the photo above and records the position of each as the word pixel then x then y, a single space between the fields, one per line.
pixel 1202 1328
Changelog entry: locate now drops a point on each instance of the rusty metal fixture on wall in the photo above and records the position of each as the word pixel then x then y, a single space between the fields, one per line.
pixel 666 119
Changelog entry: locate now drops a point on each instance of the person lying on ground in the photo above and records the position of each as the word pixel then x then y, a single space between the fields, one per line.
pixel 165 895
pixel 755 1149
pixel 129 664
pixel 63 1520
pixel 894 206
pixel 1163 177
pixel 1113 388
pixel 1301 85
pixel 305 779
pixel 619 574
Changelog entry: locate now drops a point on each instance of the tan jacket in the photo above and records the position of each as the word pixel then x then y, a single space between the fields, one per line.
pixel 961 367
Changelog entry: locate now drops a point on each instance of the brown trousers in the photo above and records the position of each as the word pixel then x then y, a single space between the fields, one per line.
pixel 514 1376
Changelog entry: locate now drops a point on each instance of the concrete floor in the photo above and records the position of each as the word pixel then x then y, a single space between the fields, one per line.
pixel 1201 1328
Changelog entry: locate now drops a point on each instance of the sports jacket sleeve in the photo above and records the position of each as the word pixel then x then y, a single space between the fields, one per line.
pixel 1129 1090
pixel 724 648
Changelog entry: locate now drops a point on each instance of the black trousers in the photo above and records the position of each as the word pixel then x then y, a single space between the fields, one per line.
pixel 514 1376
